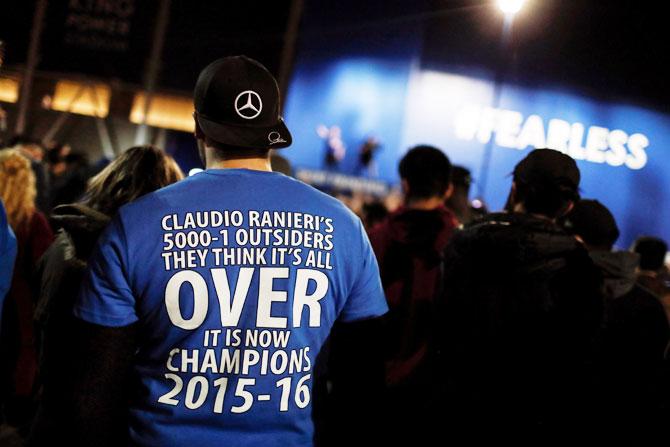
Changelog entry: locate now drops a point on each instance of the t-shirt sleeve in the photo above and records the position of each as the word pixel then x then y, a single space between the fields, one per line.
pixel 366 298
pixel 106 297
pixel 7 256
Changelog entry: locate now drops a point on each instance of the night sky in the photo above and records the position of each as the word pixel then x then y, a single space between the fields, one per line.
pixel 611 50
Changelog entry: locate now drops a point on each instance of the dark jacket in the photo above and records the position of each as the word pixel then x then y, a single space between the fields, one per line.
pixel 409 246
pixel 61 271
pixel 637 332
pixel 523 306
pixel 658 285
pixel 18 367
pixel 633 370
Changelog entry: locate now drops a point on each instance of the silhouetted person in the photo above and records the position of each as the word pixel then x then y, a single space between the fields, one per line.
pixel 635 337
pixel 70 172
pixel 409 245
pixel 653 273
pixel 459 201
pixel 373 213
pixel 136 172
pixel 366 157
pixel 522 308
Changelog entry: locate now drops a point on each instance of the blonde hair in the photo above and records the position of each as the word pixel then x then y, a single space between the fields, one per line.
pixel 17 187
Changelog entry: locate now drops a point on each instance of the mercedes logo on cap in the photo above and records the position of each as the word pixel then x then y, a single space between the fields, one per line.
pixel 248 104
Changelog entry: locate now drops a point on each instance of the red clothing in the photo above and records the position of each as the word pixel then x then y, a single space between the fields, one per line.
pixel 32 239
pixel 409 246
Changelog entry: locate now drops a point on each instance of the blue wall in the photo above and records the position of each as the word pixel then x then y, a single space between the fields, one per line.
pixel 622 150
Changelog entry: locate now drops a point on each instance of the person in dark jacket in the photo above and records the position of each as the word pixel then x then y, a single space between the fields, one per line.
pixel 409 245
pixel 522 308
pixel 635 337
pixel 652 274
pixel 136 172
pixel 459 201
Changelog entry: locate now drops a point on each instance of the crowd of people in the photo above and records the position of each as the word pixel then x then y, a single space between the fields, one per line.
pixel 428 324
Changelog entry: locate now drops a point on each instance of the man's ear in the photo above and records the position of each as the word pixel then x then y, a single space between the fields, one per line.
pixel 511 199
pixel 405 187
pixel 448 192
pixel 568 208
pixel 200 142
pixel 198 133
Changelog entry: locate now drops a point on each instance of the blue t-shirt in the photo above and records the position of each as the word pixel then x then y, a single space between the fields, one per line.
pixel 237 277
pixel 7 257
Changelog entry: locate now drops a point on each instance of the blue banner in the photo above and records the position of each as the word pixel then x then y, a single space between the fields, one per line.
pixel 622 150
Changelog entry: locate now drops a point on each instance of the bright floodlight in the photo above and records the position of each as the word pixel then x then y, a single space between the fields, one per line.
pixel 510 7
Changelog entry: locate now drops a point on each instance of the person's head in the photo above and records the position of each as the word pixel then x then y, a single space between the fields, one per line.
pixel 237 111
pixel 462 180
pixel 545 183
pixel 652 251
pixel 57 158
pixel 17 187
pixel 373 213
pixel 593 223
pixel 29 147
pixel 425 172
pixel 138 171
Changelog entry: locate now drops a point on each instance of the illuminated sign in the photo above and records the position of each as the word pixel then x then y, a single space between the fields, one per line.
pixel 621 149
pixel 511 129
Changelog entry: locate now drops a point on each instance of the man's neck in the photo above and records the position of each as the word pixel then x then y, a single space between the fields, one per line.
pixel 649 273
pixel 428 204
pixel 254 164
pixel 519 208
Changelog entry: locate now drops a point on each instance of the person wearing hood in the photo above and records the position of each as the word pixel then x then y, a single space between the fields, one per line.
pixel 522 307
pixel 636 334
pixel 409 245
pixel 652 273
pixel 136 172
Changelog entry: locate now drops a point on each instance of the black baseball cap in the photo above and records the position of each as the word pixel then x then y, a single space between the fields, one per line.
pixel 237 103
pixel 593 222
pixel 548 166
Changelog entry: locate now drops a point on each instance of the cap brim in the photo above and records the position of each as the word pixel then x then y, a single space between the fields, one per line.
pixel 273 137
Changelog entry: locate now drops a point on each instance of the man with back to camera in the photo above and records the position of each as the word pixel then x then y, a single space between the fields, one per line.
pixel 652 273
pixel 409 245
pixel 631 349
pixel 459 200
pixel 232 280
pixel 522 305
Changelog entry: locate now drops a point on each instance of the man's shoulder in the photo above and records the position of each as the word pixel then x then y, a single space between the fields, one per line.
pixel 286 190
